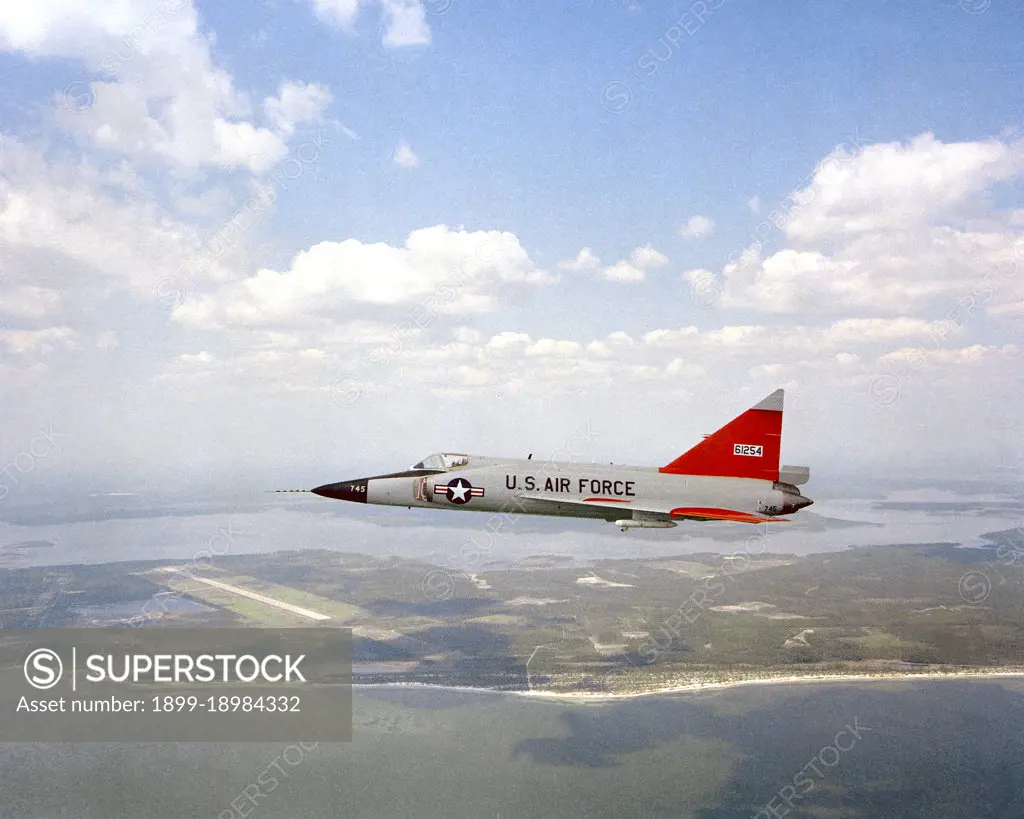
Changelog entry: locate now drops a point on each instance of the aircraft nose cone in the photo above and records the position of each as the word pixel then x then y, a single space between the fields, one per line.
pixel 354 491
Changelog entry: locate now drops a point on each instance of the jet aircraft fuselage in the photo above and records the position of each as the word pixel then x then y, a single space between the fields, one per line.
pixel 733 475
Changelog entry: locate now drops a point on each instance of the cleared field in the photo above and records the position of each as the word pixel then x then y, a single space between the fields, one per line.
pixel 251 595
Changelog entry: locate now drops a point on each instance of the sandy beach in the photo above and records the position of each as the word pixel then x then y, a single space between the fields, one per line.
pixel 693 687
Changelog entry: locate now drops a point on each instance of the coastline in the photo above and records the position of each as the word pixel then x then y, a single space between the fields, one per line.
pixel 719 685
pixel 695 687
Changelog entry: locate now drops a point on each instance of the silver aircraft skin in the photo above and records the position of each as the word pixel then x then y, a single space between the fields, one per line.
pixel 732 475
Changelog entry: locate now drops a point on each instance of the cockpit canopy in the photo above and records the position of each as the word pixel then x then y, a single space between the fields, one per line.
pixel 442 460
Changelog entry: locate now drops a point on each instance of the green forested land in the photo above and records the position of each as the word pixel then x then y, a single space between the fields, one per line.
pixel 631 623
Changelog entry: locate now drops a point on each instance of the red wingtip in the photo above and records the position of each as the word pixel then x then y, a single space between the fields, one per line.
pixel 746 447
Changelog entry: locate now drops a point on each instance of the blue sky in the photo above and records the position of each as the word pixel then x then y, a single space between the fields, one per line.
pixel 505 109
pixel 544 128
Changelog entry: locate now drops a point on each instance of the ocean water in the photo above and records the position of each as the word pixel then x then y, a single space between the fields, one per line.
pixel 916 750
pixel 102 529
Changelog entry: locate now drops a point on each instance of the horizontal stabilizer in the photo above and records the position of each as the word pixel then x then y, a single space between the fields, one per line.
pixel 747 447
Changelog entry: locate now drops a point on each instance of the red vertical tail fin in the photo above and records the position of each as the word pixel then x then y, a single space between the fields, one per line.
pixel 747 447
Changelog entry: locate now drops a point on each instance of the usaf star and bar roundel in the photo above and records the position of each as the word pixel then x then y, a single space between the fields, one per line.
pixel 459 491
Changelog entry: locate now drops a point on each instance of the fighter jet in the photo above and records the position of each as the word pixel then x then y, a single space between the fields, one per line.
pixel 731 475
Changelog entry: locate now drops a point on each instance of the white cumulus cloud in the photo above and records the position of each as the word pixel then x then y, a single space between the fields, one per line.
pixel 438 271
pixel 405 157
pixel 150 88
pixel 697 227
pixel 296 102
pixel 586 259
pixel 890 229
pixel 635 268
pixel 341 13
pixel 405 23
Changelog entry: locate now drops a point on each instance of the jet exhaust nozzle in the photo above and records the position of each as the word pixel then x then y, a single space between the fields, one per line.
pixel 795 504
pixel 792 500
